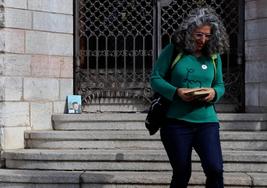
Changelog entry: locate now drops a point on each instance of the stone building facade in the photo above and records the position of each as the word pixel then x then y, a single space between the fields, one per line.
pixel 36 63
pixel 255 56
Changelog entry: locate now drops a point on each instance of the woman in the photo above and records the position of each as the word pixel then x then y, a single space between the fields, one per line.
pixel 191 120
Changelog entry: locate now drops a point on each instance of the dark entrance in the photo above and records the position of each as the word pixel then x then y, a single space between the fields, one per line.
pixel 116 43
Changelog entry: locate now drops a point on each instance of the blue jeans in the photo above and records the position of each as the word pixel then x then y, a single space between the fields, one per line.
pixel 179 137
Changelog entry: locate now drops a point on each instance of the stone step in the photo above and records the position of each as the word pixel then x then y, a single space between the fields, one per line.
pixel 132 140
pixel 39 179
pixel 116 179
pixel 135 121
pixel 132 135
pixel 47 144
pixel 124 160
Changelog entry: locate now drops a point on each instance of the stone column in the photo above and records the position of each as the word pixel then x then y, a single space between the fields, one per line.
pixel 36 65
pixel 256 55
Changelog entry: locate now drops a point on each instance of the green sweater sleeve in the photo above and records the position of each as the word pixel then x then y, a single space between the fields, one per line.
pixel 218 84
pixel 158 83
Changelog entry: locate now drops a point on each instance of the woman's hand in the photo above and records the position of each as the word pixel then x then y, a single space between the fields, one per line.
pixel 183 94
pixel 210 96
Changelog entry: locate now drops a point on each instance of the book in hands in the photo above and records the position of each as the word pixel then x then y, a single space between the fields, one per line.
pixel 198 93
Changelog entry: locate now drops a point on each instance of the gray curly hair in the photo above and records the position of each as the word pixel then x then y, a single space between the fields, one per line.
pixel 219 42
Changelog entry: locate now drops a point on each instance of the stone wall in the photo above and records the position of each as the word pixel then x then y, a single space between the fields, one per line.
pixel 256 55
pixel 36 65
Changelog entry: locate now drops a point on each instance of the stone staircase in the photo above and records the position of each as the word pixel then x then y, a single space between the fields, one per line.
pixel 100 150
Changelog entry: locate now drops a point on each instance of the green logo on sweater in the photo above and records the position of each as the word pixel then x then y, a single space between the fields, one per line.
pixel 191 83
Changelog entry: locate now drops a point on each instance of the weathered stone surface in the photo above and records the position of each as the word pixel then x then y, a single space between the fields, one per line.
pixel 252 98
pixel 53 22
pixel 28 176
pixel 256 29
pixel 135 121
pixel 96 185
pixel 259 179
pixel 122 165
pixel 41 116
pixel 7 42
pixel 256 72
pixel 122 155
pixel 124 140
pixel 45 66
pixel 52 66
pixel 109 125
pixel 49 43
pixel 66 88
pixel 15 3
pixel 107 179
pixel 66 67
pixel 99 125
pixel 242 117
pixel 2 89
pixel 256 50
pixel 13 137
pixel 15 65
pixel 14 114
pixel 132 178
pixel 11 88
pixel 2 41
pixel 255 9
pixel 58 6
pixel 2 64
pixel 140 135
pixel 59 107
pixel 41 89
pixel 42 185
pixel 263 94
pixel 17 18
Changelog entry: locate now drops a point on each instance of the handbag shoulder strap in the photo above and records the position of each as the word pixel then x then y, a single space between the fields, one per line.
pixel 176 60
pixel 214 58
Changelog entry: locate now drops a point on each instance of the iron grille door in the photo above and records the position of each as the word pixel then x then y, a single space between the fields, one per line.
pixel 115 48
pixel 118 41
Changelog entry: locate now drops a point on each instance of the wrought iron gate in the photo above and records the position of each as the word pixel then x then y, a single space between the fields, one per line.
pixel 116 43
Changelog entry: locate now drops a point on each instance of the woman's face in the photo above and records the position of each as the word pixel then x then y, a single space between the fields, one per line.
pixel 201 35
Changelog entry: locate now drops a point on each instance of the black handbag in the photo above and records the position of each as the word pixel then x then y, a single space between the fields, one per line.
pixel 155 118
pixel 159 105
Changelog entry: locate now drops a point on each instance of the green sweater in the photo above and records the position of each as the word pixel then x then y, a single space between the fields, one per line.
pixel 189 72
